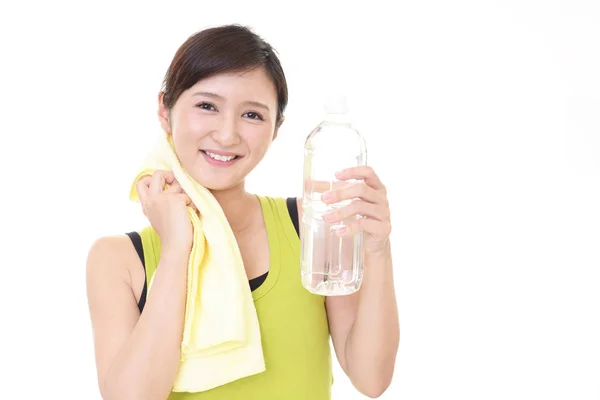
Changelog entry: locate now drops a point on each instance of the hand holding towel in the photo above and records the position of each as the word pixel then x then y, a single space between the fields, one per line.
pixel 221 339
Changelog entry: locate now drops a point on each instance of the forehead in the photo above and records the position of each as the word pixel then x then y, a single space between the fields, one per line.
pixel 246 85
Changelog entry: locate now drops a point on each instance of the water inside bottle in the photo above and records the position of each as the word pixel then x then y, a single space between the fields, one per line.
pixel 331 264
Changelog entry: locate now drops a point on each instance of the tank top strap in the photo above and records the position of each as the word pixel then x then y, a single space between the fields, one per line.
pixel 278 220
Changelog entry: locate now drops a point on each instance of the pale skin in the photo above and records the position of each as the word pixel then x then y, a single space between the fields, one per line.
pixel 137 356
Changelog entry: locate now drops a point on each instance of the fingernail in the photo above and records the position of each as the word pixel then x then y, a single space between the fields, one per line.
pixel 327 196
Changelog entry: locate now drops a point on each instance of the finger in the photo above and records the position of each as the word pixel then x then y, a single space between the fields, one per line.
pixel 142 188
pixel 174 187
pixel 169 176
pixel 352 191
pixel 363 172
pixel 358 208
pixel 377 229
pixel 159 180
pixel 317 186
pixel 157 183
pixel 187 200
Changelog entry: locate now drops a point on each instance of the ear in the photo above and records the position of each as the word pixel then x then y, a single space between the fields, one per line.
pixel 277 127
pixel 163 114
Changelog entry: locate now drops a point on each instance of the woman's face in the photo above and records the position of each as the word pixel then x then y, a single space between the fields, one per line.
pixel 222 126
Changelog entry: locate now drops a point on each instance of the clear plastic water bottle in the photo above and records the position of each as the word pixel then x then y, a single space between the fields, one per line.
pixel 331 265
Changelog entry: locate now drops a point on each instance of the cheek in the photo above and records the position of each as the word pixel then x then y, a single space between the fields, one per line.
pixel 191 126
pixel 258 139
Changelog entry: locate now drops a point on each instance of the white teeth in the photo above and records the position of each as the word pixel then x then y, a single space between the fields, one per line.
pixel 219 157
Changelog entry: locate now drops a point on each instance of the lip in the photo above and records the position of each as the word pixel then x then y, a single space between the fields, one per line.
pixel 219 163
pixel 221 153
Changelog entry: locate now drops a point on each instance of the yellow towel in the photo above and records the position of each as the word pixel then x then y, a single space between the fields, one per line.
pixel 221 338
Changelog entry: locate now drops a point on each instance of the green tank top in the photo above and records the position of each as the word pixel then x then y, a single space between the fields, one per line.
pixel 293 322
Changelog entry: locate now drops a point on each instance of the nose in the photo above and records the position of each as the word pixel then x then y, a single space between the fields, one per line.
pixel 227 133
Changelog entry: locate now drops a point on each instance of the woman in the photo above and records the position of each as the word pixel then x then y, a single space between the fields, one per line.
pixel 223 102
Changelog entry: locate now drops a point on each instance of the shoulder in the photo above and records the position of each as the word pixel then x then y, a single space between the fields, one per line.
pixel 111 258
pixel 279 204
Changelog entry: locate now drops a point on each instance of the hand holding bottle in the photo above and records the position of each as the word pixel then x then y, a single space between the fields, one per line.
pixel 370 203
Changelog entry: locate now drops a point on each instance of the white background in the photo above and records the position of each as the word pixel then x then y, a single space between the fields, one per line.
pixel 481 117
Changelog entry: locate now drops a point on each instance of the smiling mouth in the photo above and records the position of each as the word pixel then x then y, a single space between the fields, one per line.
pixel 219 158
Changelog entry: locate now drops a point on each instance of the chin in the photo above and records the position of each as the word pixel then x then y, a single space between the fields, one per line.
pixel 219 175
pixel 216 183
pixel 219 179
pixel 220 187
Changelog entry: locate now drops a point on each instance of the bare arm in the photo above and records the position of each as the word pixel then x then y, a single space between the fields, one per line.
pixel 365 328
pixel 137 356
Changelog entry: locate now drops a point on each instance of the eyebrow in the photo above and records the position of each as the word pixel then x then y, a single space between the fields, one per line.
pixel 216 96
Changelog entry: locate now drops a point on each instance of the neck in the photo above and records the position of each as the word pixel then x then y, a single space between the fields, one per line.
pixel 235 203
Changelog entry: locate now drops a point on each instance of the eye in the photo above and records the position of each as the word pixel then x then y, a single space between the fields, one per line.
pixel 206 106
pixel 253 115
